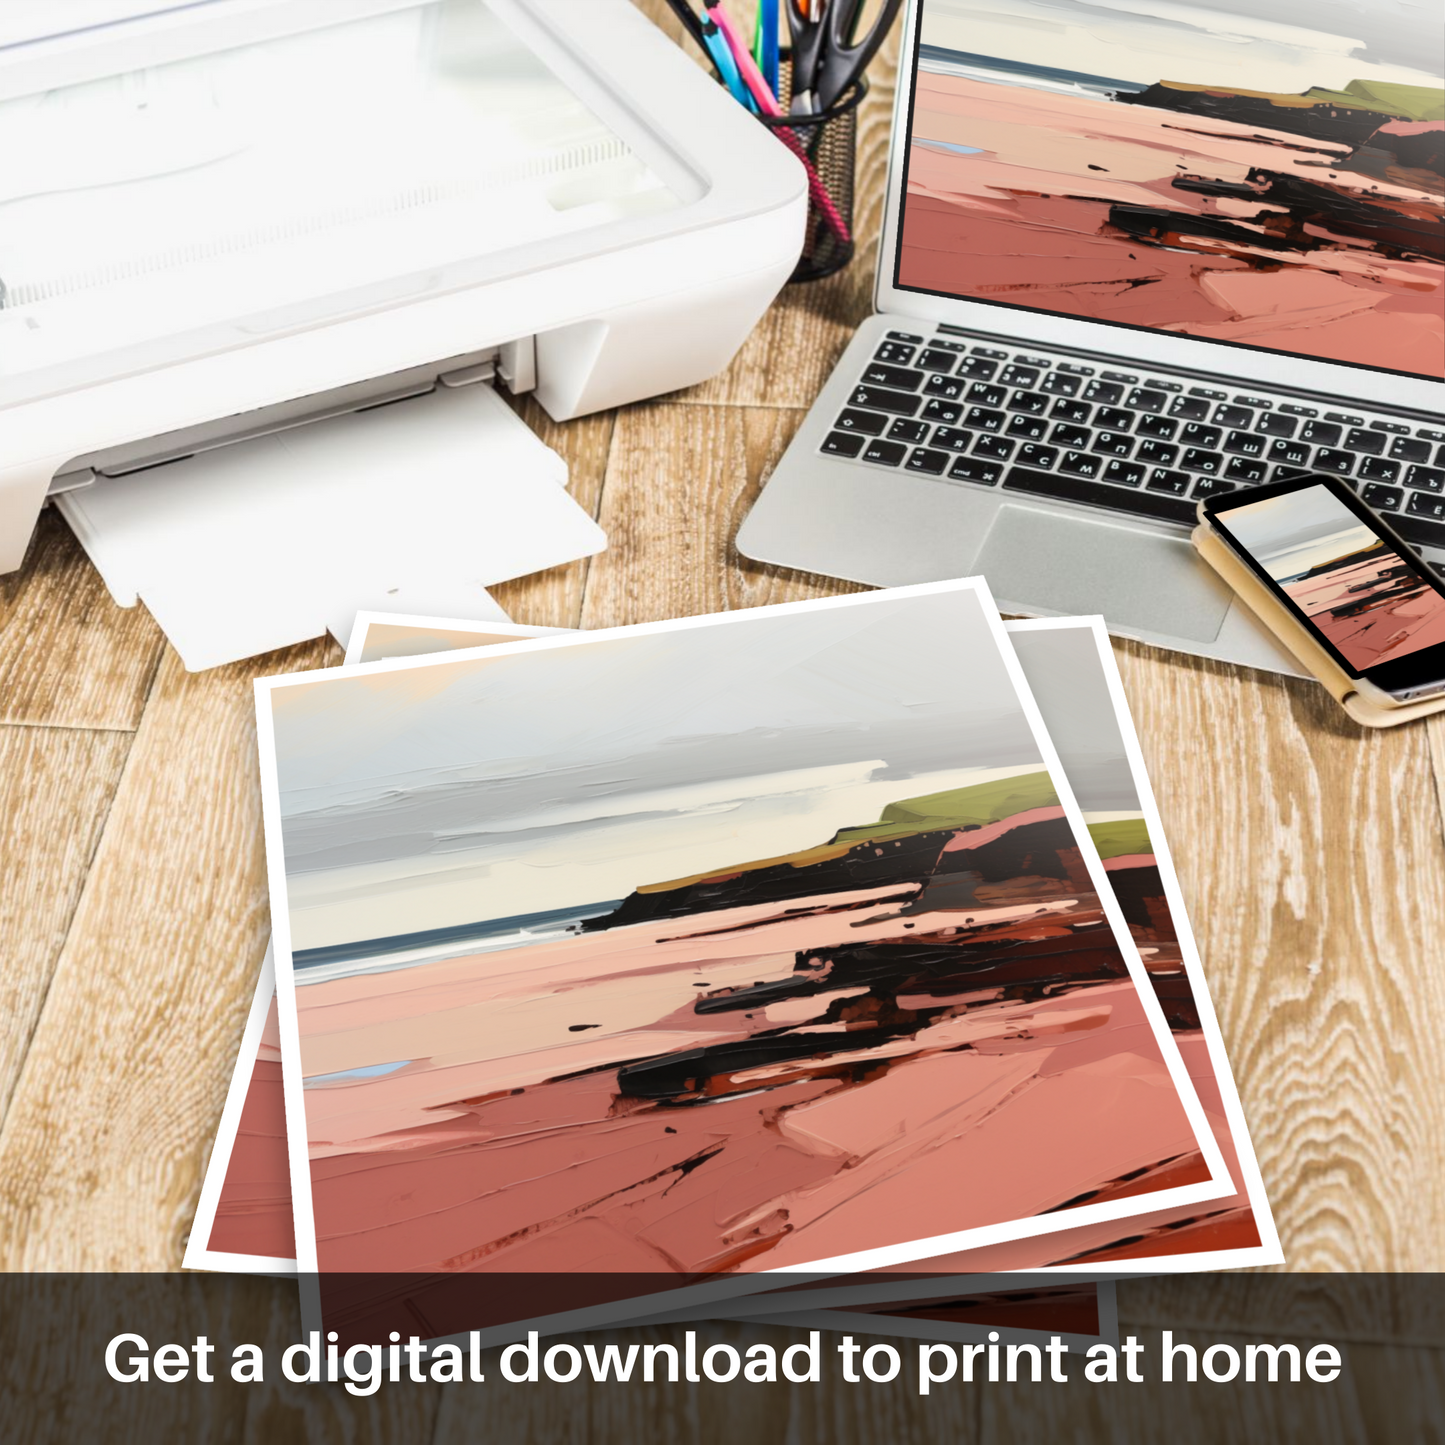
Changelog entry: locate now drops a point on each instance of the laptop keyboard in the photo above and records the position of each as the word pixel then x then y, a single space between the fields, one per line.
pixel 1141 444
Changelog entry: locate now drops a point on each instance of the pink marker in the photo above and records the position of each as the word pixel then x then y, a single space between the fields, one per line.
pixel 768 104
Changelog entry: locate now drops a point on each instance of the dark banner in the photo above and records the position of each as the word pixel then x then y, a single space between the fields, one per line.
pixel 1239 1358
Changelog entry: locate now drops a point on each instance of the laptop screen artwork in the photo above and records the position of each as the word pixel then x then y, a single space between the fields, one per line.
pixel 1267 173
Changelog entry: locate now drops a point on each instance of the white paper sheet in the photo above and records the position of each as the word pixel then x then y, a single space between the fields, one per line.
pixel 417 507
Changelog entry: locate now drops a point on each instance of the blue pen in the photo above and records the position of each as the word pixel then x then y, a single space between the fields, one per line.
pixel 727 67
pixel 768 27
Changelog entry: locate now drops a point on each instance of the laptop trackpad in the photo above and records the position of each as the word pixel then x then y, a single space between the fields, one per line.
pixel 1039 559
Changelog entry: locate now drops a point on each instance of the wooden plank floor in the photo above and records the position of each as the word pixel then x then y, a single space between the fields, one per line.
pixel 133 906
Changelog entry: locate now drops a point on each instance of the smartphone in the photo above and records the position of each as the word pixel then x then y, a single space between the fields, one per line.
pixel 1336 567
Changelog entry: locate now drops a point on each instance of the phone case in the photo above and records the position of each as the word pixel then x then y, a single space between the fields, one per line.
pixel 1298 639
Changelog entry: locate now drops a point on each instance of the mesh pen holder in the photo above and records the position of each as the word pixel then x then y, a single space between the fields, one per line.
pixel 827 144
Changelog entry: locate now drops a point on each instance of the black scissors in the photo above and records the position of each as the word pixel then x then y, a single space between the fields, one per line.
pixel 828 56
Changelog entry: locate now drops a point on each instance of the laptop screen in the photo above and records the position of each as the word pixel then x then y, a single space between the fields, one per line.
pixel 1266 173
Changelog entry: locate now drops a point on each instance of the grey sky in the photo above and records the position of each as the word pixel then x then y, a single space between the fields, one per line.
pixel 1069 685
pixel 1279 524
pixel 457 768
pixel 1403 33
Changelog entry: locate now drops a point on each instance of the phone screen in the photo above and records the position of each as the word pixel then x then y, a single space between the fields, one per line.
pixel 1368 599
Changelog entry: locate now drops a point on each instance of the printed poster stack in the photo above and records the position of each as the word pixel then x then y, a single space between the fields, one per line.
pixel 817 963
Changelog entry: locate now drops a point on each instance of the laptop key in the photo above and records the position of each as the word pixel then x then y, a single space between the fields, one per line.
pixel 1321 433
pixel 1418 530
pixel 1113 418
pixel 1031 428
pixel 977 368
pixel 1289 453
pixel 948 387
pixel 843 444
pixel 905 336
pixel 905 379
pixel 1245 443
pixel 1060 383
pixel 1421 504
pixel 1112 444
pixel 1196 459
pixel 1161 427
pixel 1081 464
pixel 997 449
pixel 925 460
pixel 886 454
pixel 878 398
pixel 1406 448
pixel 981 394
pixel 1245 469
pixel 935 360
pixel 1099 494
pixel 1035 403
pixel 971 469
pixel 867 422
pixel 1163 480
pixel 1371 443
pixel 1144 398
pixel 944 411
pixel 1075 411
pixel 1015 375
pixel 1211 487
pixel 1331 459
pixel 1377 469
pixel 1189 408
pixel 1195 435
pixel 1272 424
pixel 1124 474
pixel 1381 498
pixel 1042 457
pixel 955 439
pixel 895 353
pixel 1107 392
pixel 983 420
pixel 906 430
pixel 1235 416
pixel 1071 436
pixel 1156 454
pixel 1426 479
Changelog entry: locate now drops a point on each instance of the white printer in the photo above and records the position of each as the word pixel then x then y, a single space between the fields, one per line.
pixel 225 219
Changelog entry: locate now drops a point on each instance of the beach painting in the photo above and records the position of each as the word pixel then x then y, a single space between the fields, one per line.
pixel 1371 604
pixel 243 1222
pixel 701 950
pixel 1070 669
pixel 1265 173
pixel 1069 663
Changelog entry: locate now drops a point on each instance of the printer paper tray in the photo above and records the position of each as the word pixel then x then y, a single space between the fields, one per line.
pixel 417 506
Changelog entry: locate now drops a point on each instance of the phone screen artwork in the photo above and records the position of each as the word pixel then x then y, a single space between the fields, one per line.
pixel 1372 604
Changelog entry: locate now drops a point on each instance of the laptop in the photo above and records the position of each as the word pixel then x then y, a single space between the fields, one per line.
pixel 1135 252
